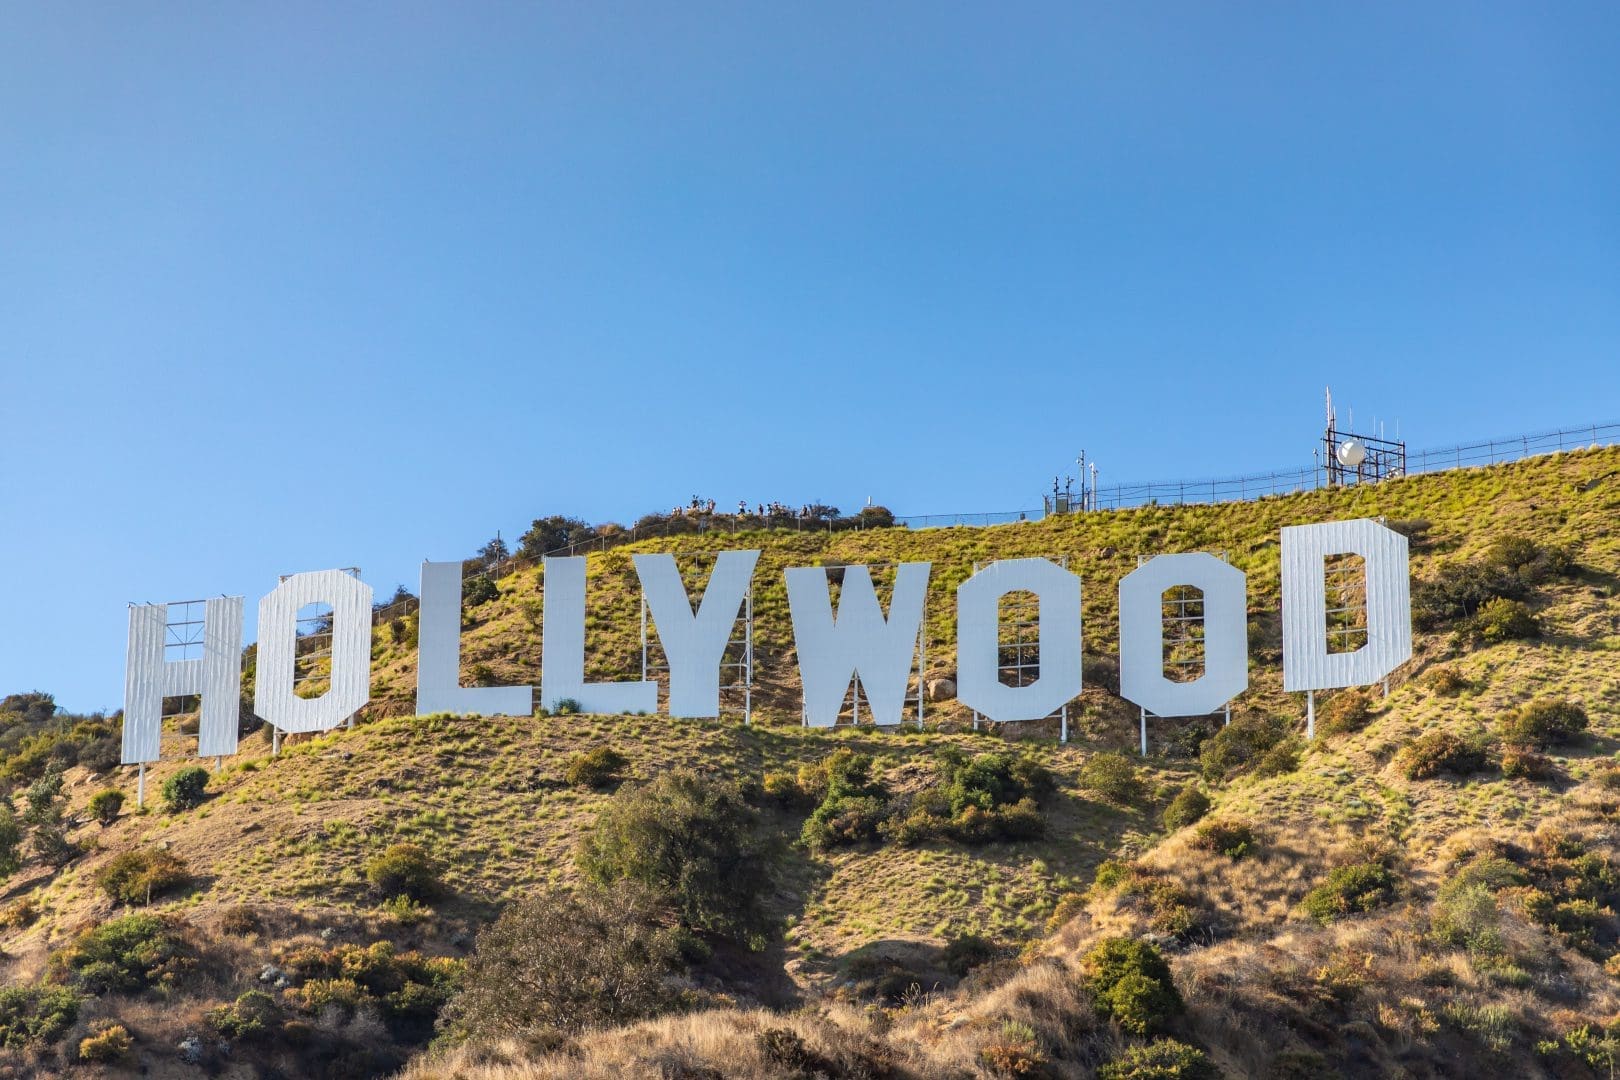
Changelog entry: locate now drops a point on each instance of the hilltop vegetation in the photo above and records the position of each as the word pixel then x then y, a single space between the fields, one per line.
pixel 1428 888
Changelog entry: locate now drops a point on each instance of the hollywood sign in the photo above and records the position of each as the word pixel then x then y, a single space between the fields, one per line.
pixel 835 647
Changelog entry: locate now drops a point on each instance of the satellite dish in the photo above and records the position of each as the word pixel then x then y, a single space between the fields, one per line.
pixel 1351 453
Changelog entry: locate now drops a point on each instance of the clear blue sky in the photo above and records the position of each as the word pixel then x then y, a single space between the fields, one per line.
pixel 325 285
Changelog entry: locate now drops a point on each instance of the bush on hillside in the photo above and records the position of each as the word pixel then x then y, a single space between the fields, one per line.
pixel 1519 764
pixel 1161 1059
pixel 406 988
pixel 138 877
pixel 964 953
pixel 558 964
pixel 184 789
pixel 1504 620
pixel 975 800
pixel 1349 890
pixel 1113 778
pixel 11 838
pixel 1543 724
pixel 478 589
pixel 1234 839
pixel 695 841
pixel 128 954
pixel 105 805
pixel 1446 680
pixel 33 1016
pixel 1437 752
pixel 1189 805
pixel 597 768
pixel 1346 712
pixel 107 1042
pixel 1239 746
pixel 1281 759
pixel 551 534
pixel 404 870
pixel 252 1015
pixel 1509 570
pixel 854 805
pixel 1131 984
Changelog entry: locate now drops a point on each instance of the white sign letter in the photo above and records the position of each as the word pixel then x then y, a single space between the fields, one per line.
pixel 696 644
pixel 978 650
pixel 216 675
pixel 438 655
pixel 350 684
pixel 857 641
pixel 1307 664
pixel 1141 635
pixel 562 660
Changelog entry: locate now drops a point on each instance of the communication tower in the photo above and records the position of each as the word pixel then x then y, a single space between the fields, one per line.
pixel 1358 459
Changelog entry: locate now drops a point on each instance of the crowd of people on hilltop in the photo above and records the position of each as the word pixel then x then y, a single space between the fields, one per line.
pixel 700 507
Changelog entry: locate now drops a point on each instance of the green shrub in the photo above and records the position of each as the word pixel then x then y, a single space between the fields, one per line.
pixel 1520 764
pixel 783 788
pixel 11 838
pixel 1189 805
pixel 566 707
pixel 1446 680
pixel 1234 839
pixel 1239 745
pixel 963 954
pixel 1015 1052
pixel 138 877
pixel 105 805
pixel 1161 1059
pixel 478 589
pixel 127 954
pixel 406 987
pixel 1543 724
pixel 1437 752
pixel 695 841
pixel 1350 889
pixel 595 768
pixel 1131 984
pixel 34 1016
pixel 1346 712
pixel 558 964
pixel 1068 906
pixel 854 806
pixel 184 789
pixel 252 1015
pixel 1465 913
pixel 1504 620
pixel 975 800
pixel 108 1042
pixel 1112 777
pixel 404 870
pixel 1282 758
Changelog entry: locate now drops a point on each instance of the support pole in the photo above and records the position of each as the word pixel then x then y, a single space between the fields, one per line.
pixel 1386 686
pixel 1310 714
pixel 748 656
pixel 922 668
pixel 140 785
pixel 1144 733
pixel 1228 715
pixel 275 741
pixel 1063 726
pixel 219 763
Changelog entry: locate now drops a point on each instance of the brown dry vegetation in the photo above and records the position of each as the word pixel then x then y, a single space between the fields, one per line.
pixel 1371 994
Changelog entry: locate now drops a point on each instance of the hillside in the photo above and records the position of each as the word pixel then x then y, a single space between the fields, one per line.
pixel 1485 859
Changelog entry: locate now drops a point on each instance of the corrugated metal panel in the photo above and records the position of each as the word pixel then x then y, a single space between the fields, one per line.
pixel 695 644
pixel 562 657
pixel 978 652
pixel 216 675
pixel 1141 635
pixel 350 688
pixel 1307 664
pixel 438 655
pixel 859 640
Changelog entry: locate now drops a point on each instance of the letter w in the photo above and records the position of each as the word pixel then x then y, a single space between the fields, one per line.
pixel 857 641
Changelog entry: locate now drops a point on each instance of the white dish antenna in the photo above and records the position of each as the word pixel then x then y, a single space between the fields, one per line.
pixel 1351 453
